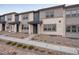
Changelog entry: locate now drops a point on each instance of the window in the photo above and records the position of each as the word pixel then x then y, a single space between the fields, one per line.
pixel 68 29
pixel 74 13
pixel 45 29
pixel 78 28
pixel 68 13
pixel 9 19
pixel 52 15
pixel 25 17
pixel 74 28
pixel 50 27
pixel 53 27
pixel 25 27
pixel 49 14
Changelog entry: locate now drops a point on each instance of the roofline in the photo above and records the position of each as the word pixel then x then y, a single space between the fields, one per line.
pixel 59 6
pixel 63 6
pixel 25 12
pixel 72 6
pixel 10 13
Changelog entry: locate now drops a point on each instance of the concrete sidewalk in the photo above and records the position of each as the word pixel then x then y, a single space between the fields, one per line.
pixel 65 49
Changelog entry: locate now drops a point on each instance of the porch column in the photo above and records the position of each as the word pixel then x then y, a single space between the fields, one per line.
pixel 30 29
pixel 0 27
pixel 39 29
pixel 14 27
pixel 20 27
pixel 6 27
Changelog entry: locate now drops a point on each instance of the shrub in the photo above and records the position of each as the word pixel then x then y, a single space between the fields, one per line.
pixel 36 49
pixel 24 47
pixel 14 53
pixel 31 47
pixel 32 39
pixel 19 45
pixel 49 52
pixel 2 40
pixel 22 37
pixel 42 50
pixel 14 43
pixel 8 42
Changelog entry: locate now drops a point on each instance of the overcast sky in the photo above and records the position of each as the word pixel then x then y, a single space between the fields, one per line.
pixel 6 8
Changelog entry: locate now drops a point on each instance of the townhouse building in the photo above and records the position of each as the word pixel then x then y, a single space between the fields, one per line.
pixel 24 19
pixel 52 20
pixel 2 23
pixel 58 20
pixel 72 21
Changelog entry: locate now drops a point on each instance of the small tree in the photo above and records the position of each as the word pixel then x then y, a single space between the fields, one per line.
pixel 31 47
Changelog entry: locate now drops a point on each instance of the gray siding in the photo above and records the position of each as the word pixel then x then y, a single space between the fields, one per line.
pixel 58 12
pixel 2 18
pixel 16 18
pixel 36 17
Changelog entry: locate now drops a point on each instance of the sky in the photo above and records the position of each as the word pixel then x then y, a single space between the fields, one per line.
pixel 6 8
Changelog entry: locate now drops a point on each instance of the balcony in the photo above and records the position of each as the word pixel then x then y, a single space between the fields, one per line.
pixel 14 22
pixel 35 22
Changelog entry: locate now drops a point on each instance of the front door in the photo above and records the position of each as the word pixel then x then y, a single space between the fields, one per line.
pixel 3 27
pixel 35 30
pixel 17 27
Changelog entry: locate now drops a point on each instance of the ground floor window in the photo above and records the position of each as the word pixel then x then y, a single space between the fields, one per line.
pixel 72 28
pixel 68 28
pixel 49 27
pixel 53 27
pixel 45 27
pixel 24 27
pixel 78 28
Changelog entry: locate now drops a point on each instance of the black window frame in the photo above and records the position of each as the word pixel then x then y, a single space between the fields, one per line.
pixel 74 29
pixel 68 28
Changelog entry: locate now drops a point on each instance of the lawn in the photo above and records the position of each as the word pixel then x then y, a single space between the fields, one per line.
pixel 57 40
pixel 18 35
pixel 3 32
pixel 9 47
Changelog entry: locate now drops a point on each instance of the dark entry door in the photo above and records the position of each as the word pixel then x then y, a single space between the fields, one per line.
pixel 3 27
pixel 35 30
pixel 17 27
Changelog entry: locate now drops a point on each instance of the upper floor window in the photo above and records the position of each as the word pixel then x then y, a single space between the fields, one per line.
pixel 49 14
pixel 16 17
pixel 78 12
pixel 74 13
pixel 9 19
pixel 25 17
pixel 68 13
